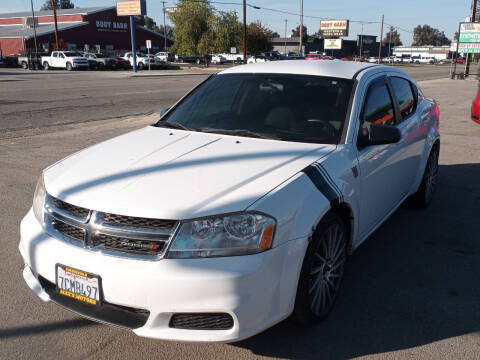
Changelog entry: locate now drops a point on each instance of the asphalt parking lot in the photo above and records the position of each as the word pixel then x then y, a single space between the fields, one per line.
pixel 411 290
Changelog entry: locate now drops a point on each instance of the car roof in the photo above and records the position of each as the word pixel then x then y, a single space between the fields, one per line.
pixel 332 68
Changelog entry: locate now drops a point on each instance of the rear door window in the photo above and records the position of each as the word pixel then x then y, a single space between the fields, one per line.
pixel 378 108
pixel 405 97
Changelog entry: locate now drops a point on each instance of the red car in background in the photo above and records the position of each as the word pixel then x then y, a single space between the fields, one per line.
pixel 121 63
pixel 476 107
pixel 317 57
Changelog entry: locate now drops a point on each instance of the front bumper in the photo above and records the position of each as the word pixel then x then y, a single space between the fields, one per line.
pixel 256 290
pixel 80 65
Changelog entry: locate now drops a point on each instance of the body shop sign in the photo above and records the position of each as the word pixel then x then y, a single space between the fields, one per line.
pixel 111 26
pixel 131 7
pixel 329 28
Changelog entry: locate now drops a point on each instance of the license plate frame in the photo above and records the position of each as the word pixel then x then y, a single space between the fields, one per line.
pixel 78 294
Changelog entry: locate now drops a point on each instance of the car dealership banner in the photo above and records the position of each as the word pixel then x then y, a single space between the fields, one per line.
pixel 333 28
pixel 332 44
pixel 131 7
pixel 465 48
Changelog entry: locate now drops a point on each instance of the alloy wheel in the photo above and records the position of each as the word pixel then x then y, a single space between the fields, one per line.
pixel 327 270
pixel 431 176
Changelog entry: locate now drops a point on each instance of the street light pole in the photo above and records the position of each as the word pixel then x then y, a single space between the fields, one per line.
pixel 164 28
pixel 474 14
pixel 301 28
pixel 361 42
pixel 244 31
pixel 381 43
pixel 285 49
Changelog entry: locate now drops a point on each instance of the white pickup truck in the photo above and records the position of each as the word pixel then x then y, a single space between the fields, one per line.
pixel 234 58
pixel 69 60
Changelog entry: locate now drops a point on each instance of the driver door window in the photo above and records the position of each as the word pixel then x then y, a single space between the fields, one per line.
pixel 378 107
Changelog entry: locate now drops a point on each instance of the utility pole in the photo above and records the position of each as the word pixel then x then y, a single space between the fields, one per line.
pixel 361 42
pixel 301 28
pixel 381 42
pixel 244 31
pixel 164 28
pixel 474 13
pixel 34 27
pixel 54 8
pixel 390 41
pixel 285 50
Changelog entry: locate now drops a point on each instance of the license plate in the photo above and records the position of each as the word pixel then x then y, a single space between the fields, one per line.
pixel 78 285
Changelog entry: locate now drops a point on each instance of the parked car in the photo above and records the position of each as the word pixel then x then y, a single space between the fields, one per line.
pixel 258 59
pixel 101 61
pixel 197 59
pixel 235 58
pixel 269 177
pixel 475 111
pixel 316 57
pixel 460 60
pixel 121 63
pixel 32 60
pixel 217 59
pixel 165 56
pixel 69 60
pixel 142 60
pixel 372 59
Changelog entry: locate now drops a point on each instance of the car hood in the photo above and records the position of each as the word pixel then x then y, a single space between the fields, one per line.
pixel 175 174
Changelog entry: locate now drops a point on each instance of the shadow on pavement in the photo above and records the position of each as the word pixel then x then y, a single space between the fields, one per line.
pixel 414 281
pixel 44 328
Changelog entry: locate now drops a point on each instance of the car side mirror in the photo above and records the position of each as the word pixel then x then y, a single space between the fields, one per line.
pixel 376 134
pixel 164 111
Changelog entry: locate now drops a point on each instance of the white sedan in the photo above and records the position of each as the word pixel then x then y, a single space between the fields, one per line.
pixel 239 207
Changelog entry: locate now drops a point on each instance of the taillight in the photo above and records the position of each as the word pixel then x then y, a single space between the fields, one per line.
pixel 437 113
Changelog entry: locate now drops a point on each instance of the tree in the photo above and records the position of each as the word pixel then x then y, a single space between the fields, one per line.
pixel 258 38
pixel 191 21
pixel 168 28
pixel 59 4
pixel 426 35
pixel 393 37
pixel 148 22
pixel 296 31
pixel 227 31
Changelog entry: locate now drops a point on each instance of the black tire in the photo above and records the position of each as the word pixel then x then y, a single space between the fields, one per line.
pixel 100 66
pixel 141 66
pixel 322 271
pixel 24 65
pixel 69 66
pixel 197 61
pixel 180 60
pixel 424 195
pixel 46 66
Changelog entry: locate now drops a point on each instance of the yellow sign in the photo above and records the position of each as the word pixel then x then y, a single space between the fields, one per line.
pixel 131 7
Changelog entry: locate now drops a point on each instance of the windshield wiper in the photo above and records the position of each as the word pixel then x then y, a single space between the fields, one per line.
pixel 172 125
pixel 239 132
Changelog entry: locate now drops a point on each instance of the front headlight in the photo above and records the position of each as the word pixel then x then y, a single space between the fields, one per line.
pixel 229 235
pixel 39 200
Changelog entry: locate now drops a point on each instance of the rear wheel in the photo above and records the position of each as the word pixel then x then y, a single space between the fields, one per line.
pixel 424 195
pixel 140 66
pixel 197 61
pixel 24 65
pixel 46 66
pixel 69 66
pixel 322 271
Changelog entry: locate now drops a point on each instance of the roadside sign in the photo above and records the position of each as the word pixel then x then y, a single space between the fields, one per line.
pixel 149 44
pixel 233 50
pixel 131 7
pixel 170 9
pixel 469 33
pixel 333 28
pixel 332 44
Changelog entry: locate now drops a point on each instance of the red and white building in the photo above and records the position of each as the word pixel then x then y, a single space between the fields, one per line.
pixel 95 27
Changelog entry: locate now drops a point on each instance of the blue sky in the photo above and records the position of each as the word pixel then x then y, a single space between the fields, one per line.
pixel 441 14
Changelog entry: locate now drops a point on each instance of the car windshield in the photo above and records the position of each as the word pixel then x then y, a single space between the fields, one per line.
pixel 72 53
pixel 300 108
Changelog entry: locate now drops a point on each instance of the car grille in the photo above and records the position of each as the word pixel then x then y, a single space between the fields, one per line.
pixel 68 230
pixel 119 234
pixel 76 211
pixel 201 321
pixel 138 222
pixel 137 246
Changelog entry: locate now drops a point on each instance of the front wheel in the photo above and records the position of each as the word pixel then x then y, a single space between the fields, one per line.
pixel 198 61
pixel 46 66
pixel 140 66
pixel 424 195
pixel 69 66
pixel 322 271
pixel 24 65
